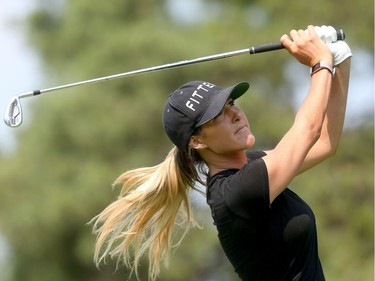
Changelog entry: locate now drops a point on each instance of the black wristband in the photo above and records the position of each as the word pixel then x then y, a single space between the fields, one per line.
pixel 321 65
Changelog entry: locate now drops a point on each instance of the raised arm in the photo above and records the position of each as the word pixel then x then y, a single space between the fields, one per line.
pixel 330 136
pixel 285 160
pixel 328 142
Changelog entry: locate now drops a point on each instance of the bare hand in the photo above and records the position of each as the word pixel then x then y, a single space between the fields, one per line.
pixel 306 47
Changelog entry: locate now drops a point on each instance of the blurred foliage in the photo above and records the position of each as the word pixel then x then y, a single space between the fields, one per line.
pixel 80 141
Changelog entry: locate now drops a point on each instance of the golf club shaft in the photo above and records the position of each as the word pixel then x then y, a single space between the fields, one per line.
pixel 252 50
pixel 139 71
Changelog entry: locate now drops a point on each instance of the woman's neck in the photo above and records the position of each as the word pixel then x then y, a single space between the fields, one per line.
pixel 219 162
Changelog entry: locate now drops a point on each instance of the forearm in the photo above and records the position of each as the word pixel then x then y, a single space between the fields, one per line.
pixel 314 108
pixel 330 135
pixel 335 115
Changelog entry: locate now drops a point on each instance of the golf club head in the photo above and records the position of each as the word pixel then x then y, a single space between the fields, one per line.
pixel 13 114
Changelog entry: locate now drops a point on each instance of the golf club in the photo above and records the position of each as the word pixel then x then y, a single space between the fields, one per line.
pixel 13 115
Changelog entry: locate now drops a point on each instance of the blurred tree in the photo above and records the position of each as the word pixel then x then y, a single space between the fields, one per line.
pixel 60 176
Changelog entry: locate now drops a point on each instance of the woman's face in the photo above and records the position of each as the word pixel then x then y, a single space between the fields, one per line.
pixel 228 132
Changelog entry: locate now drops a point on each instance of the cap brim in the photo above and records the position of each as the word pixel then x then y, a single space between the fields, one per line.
pixel 218 102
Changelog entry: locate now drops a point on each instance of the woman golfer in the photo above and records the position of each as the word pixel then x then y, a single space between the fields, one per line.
pixel 267 232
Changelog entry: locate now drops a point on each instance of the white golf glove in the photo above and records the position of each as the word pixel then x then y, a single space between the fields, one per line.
pixel 327 33
pixel 339 48
pixel 340 51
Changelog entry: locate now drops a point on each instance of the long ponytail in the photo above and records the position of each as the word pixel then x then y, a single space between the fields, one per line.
pixel 151 203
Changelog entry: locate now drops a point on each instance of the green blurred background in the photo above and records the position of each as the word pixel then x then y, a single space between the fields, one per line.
pixel 75 143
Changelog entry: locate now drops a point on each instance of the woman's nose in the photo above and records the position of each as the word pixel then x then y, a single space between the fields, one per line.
pixel 236 113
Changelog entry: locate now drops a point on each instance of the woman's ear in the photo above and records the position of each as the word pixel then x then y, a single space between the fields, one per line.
pixel 196 142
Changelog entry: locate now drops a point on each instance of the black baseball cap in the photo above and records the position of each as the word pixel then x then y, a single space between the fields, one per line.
pixel 194 104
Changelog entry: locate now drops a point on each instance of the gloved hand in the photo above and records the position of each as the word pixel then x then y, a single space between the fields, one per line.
pixel 339 48
pixel 327 33
pixel 340 51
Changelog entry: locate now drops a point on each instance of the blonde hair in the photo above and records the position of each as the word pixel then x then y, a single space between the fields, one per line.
pixel 152 201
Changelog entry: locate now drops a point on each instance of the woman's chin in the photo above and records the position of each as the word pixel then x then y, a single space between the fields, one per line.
pixel 250 140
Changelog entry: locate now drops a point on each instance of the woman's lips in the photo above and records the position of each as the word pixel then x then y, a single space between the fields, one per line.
pixel 240 128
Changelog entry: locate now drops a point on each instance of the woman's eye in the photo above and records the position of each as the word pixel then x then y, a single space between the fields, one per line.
pixel 228 104
pixel 220 113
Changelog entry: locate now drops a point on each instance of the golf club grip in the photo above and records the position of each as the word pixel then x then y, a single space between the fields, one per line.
pixel 277 46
